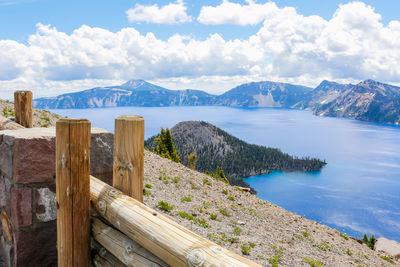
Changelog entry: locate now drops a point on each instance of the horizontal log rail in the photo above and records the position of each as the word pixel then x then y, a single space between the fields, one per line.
pixel 170 241
pixel 125 249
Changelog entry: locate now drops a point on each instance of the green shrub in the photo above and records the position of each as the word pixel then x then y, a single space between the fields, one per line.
pixel 312 262
pixel 186 199
pixel 213 216
pixel 234 240
pixel 146 192
pixel 8 112
pixel 344 236
pixel 165 206
pixel 148 186
pixel 386 258
pixel 348 252
pixel 274 260
pixel 206 181
pixel 206 204
pixel 200 222
pixel 245 249
pixel 237 231
pixel 224 212
pixel 45 118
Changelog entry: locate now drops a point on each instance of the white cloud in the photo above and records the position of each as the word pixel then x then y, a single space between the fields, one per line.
pixel 235 13
pixel 289 47
pixel 172 13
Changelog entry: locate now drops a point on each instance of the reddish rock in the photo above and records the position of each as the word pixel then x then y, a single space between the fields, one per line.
pixel 3 192
pixel 37 247
pixel 101 154
pixel 5 186
pixel 34 160
pixel 6 159
pixel 21 206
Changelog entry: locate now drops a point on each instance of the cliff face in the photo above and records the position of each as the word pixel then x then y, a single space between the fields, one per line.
pixel 263 94
pixel 324 93
pixel 367 101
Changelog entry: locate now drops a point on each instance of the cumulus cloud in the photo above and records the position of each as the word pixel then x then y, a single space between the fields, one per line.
pixel 289 47
pixel 173 13
pixel 235 13
pixel 354 43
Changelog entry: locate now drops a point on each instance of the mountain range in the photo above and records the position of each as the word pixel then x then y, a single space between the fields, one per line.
pixel 368 100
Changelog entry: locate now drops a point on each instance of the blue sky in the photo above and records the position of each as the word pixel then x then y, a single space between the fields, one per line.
pixel 52 47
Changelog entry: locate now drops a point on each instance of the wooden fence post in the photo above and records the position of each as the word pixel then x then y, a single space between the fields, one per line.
pixel 23 108
pixel 128 155
pixel 73 192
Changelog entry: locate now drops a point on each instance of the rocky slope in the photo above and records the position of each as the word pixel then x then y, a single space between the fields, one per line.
pixel 263 94
pixel 41 118
pixel 324 93
pixel 366 101
pixel 236 220
pixel 214 147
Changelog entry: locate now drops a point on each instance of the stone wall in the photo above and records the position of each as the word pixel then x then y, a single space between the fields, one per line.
pixel 28 233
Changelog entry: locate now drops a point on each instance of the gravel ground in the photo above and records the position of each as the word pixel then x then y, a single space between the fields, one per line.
pixel 269 231
pixel 41 118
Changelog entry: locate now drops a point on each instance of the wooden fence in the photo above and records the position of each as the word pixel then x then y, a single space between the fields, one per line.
pixel 119 230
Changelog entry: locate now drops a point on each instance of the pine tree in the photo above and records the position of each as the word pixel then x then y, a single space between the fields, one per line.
pixel 365 239
pixel 192 161
pixel 165 146
pixel 371 242
pixel 220 175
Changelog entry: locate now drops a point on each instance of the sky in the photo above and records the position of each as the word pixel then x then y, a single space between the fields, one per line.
pixel 53 47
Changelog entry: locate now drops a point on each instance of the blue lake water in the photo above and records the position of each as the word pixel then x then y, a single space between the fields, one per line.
pixel 357 192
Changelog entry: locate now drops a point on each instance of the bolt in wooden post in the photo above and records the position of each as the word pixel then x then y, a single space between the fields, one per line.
pixel 23 108
pixel 128 155
pixel 73 192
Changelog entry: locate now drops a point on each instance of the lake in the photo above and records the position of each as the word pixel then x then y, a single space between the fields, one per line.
pixel 357 192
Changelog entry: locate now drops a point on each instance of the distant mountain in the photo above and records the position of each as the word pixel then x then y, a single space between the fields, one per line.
pixel 324 93
pixel 215 147
pixel 367 101
pixel 131 93
pixel 263 94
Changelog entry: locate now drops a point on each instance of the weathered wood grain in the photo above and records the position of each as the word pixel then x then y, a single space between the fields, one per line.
pixel 129 155
pixel 23 108
pixel 127 251
pixel 72 192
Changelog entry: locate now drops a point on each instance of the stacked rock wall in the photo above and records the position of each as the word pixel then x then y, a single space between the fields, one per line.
pixel 28 233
